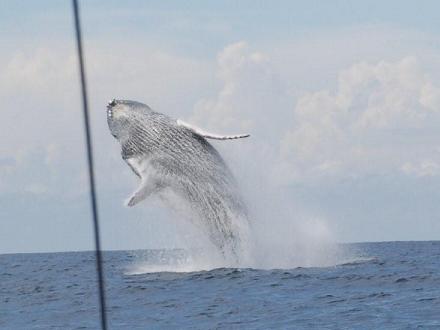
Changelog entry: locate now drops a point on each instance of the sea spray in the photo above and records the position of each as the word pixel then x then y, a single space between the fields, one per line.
pixel 283 235
pixel 284 232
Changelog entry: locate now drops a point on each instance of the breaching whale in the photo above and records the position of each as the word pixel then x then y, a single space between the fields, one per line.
pixel 168 154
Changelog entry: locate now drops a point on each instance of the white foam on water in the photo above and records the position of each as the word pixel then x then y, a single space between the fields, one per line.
pixel 176 262
pixel 274 242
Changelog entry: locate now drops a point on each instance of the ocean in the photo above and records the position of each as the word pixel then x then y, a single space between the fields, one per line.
pixel 389 285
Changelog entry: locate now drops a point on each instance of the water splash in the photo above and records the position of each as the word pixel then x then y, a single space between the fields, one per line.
pixel 280 237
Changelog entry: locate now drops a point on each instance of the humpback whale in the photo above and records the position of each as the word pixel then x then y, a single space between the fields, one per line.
pixel 168 154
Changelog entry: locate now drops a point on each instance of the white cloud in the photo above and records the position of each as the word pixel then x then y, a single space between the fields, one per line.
pixel 430 97
pixel 35 188
pixel 41 120
pixel 251 95
pixel 423 168
pixel 379 117
pixel 371 124
pixel 358 127
pixel 252 99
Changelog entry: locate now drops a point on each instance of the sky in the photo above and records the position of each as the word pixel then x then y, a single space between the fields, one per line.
pixel 342 100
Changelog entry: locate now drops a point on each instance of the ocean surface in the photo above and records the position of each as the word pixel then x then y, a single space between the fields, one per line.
pixel 392 285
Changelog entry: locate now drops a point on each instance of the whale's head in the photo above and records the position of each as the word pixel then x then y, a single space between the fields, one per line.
pixel 121 114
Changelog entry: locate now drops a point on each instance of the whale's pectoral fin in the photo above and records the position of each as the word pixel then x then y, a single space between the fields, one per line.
pixel 146 188
pixel 207 135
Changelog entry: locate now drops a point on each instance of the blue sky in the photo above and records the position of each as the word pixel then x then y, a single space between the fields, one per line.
pixel 342 99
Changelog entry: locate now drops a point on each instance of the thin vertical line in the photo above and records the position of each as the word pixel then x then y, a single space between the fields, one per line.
pixel 98 253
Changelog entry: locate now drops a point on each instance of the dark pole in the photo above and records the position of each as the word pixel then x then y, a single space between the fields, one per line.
pixel 90 167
